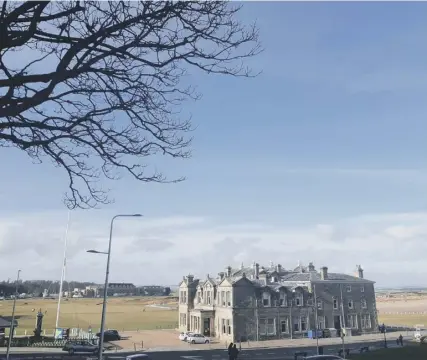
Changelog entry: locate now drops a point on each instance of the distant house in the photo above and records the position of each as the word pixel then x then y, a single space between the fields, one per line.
pixel 260 303
pixel 120 289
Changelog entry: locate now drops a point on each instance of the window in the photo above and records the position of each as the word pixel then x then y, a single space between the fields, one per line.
pixel 299 300
pixel 310 302
pixel 284 326
pixel 223 326
pixel 271 326
pixel 228 296
pixel 348 288
pixel 319 304
pixel 350 304
pixel 363 303
pixel 335 303
pixel 263 326
pixel 266 299
pixel 228 327
pixel 223 298
pixel 320 322
pixel 199 297
pixel 352 321
pixel 282 298
pixel 303 324
pixel 274 279
pixel 209 294
pixel 366 321
pixel 296 325
pixel 362 288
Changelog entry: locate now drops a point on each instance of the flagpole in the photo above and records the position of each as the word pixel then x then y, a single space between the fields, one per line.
pixel 64 263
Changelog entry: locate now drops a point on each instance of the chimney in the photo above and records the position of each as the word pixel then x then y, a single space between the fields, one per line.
pixel 311 267
pixel 324 273
pixel 228 271
pixel 221 275
pixel 243 275
pixel 190 278
pixel 279 268
pixel 271 265
pixel 256 271
pixel 359 271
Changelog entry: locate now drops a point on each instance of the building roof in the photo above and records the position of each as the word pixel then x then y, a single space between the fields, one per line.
pixel 6 323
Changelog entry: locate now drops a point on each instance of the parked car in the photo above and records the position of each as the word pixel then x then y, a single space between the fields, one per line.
pixel 73 347
pixel 110 335
pixel 184 335
pixel 138 357
pixel 323 357
pixel 198 339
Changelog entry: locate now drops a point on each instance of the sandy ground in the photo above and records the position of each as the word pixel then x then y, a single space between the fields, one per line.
pixel 402 305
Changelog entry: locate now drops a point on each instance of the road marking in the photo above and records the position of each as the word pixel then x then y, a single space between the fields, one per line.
pixel 271 353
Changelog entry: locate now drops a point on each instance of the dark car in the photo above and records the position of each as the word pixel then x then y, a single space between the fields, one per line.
pixel 323 357
pixel 73 347
pixel 110 335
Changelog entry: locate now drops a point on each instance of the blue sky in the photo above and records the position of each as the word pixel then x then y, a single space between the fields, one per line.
pixel 333 129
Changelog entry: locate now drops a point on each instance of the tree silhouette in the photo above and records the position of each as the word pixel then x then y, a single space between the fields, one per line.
pixel 97 87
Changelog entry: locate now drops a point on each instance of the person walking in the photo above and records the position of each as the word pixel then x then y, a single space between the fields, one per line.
pixel 230 351
pixel 401 339
pixel 234 352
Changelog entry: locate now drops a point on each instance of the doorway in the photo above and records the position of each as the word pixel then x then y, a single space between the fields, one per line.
pixel 207 327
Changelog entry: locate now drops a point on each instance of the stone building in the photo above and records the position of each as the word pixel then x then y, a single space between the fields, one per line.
pixel 256 303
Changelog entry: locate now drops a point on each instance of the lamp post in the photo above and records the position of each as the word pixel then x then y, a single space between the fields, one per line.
pixel 107 271
pixel 12 327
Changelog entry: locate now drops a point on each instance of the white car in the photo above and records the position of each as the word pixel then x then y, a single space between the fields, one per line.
pixel 184 335
pixel 198 339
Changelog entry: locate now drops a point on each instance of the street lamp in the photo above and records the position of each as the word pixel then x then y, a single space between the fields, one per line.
pixel 12 326
pixel 107 271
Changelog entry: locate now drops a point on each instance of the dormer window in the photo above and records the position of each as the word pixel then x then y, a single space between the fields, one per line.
pixel 282 298
pixel 275 279
pixel 266 299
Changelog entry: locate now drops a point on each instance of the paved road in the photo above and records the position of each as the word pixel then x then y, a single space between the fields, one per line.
pixel 278 353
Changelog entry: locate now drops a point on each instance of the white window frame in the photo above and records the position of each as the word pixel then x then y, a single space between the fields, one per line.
pixel 362 288
pixel 299 299
pixel 366 321
pixel 319 304
pixel 348 288
pixel 363 303
pixel 271 326
pixel 350 302
pixel 228 298
pixel 352 321
pixel 320 322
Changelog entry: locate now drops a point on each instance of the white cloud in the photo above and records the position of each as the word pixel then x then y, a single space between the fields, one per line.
pixel 147 250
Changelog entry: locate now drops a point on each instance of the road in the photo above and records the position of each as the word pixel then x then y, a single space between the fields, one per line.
pixel 277 353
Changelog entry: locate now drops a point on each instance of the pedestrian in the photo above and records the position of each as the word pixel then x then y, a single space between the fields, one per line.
pixel 230 351
pixel 234 352
pixel 401 339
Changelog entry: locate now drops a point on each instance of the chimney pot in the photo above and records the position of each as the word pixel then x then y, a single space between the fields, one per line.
pixel 256 271
pixel 310 267
pixel 279 268
pixel 324 273
pixel 190 278
pixel 228 271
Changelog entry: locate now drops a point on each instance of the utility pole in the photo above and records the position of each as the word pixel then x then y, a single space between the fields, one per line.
pixel 343 322
pixel 291 325
pixel 316 318
pixel 257 319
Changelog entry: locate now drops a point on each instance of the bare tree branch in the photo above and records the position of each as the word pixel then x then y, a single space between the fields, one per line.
pixel 97 87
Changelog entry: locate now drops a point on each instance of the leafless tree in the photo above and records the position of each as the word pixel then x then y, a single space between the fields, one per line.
pixel 97 87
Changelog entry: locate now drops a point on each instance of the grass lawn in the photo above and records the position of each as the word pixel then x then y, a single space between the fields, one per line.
pixel 122 313
pixel 413 352
pixel 404 319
